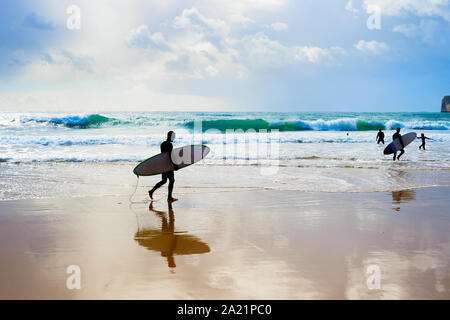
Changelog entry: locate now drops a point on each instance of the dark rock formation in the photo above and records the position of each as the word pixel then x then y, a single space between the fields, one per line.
pixel 445 104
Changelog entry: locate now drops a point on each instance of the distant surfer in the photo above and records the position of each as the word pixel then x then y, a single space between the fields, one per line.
pixel 397 135
pixel 167 146
pixel 422 136
pixel 380 137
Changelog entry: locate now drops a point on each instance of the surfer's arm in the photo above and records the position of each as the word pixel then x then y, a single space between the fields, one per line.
pixel 401 142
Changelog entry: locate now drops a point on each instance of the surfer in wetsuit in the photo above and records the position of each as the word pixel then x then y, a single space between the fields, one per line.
pixel 380 137
pixel 397 135
pixel 422 136
pixel 167 146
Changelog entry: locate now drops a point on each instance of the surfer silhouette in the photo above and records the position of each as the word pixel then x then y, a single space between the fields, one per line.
pixel 380 137
pixel 168 228
pixel 422 136
pixel 167 146
pixel 397 135
pixel 167 240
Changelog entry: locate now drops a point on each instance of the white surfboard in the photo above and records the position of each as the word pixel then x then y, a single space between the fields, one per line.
pixel 395 145
pixel 182 157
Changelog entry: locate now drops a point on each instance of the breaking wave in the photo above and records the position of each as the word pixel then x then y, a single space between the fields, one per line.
pixel 82 122
pixel 342 124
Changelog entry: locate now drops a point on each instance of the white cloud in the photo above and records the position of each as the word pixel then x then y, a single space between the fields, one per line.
pixel 428 29
pixel 409 30
pixel 192 18
pixel 193 46
pixel 425 31
pixel 204 47
pixel 316 54
pixel 371 46
pixel 212 71
pixel 142 37
pixel 349 7
pixel 279 26
pixel 261 51
pixel 430 8
pixel 240 19
pixel 241 6
pixel 54 68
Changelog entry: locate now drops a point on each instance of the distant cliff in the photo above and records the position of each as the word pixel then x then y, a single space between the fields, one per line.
pixel 445 104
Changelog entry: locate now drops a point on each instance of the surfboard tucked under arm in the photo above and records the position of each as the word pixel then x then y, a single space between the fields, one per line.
pixel 182 157
pixel 395 145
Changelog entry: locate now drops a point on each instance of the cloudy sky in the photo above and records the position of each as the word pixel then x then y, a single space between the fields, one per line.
pixel 243 55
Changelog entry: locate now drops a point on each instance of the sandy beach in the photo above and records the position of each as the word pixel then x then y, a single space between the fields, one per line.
pixel 252 244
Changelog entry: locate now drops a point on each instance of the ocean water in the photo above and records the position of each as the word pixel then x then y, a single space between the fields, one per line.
pixel 311 151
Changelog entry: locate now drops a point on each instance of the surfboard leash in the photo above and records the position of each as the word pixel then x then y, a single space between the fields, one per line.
pixel 134 192
pixel 130 199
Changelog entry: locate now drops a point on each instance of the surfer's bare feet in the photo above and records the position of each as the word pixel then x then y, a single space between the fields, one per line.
pixel 170 200
pixel 150 194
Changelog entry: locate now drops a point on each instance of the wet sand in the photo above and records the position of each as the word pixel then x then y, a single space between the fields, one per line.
pixel 229 245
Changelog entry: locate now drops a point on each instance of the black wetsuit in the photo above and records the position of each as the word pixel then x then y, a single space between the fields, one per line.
pixel 402 151
pixel 380 137
pixel 423 142
pixel 166 146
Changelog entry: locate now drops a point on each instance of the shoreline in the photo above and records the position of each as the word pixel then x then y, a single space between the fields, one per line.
pixel 50 180
pixel 219 190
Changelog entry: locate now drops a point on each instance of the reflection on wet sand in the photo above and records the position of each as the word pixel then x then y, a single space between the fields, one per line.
pixel 267 245
pixel 402 196
pixel 167 240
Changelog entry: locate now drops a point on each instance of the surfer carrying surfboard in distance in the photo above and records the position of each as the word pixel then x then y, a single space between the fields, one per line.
pixel 397 135
pixel 167 146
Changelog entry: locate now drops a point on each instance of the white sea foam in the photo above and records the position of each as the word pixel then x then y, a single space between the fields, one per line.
pixel 310 146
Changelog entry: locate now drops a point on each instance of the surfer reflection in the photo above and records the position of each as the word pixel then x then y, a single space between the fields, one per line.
pixel 380 137
pixel 397 135
pixel 167 146
pixel 167 241
pixel 422 136
pixel 402 196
